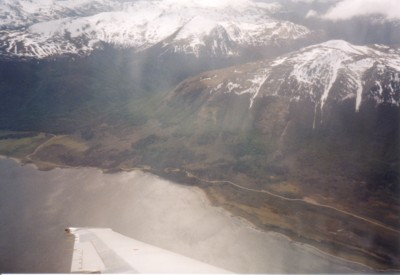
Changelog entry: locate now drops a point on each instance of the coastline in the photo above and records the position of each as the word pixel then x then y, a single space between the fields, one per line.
pixel 242 221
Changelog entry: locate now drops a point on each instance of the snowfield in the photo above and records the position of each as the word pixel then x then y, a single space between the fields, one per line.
pixel 47 28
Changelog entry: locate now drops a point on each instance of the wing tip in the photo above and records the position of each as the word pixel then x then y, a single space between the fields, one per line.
pixel 70 230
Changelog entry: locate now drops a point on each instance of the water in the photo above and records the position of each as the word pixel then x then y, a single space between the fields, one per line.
pixel 36 206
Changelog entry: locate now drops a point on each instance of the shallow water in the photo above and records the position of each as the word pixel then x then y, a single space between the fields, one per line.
pixel 36 206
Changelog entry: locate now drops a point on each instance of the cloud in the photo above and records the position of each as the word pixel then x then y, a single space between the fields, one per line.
pixel 312 13
pixel 302 1
pixel 347 9
pixel 313 1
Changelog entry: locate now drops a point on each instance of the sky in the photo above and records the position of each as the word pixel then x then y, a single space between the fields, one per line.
pixel 356 21
pixel 348 9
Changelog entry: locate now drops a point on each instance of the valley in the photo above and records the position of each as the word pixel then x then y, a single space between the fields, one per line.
pixel 285 127
pixel 165 214
pixel 268 198
pixel 266 164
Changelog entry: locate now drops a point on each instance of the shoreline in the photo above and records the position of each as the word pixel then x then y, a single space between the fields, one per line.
pixel 207 200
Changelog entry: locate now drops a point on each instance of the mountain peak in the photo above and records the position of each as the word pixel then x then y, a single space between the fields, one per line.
pixel 343 46
pixel 180 26
pixel 209 3
pixel 217 4
pixel 329 72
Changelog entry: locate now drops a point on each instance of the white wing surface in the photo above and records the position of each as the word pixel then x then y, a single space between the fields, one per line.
pixel 101 250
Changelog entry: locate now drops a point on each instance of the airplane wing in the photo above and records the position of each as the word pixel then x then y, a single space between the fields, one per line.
pixel 101 250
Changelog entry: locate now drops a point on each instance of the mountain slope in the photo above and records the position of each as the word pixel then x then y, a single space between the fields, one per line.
pixel 333 71
pixel 326 115
pixel 317 128
pixel 190 27
pixel 321 124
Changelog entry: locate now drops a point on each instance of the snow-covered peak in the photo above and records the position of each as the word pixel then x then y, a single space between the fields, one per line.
pixel 331 71
pixel 15 13
pixel 345 52
pixel 197 26
pixel 216 27
pixel 214 4
pixel 344 46
pixel 209 3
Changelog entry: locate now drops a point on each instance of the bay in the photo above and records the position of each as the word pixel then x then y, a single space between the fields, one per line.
pixel 36 206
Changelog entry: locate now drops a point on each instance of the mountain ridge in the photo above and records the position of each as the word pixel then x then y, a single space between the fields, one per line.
pixel 331 71
pixel 194 26
pixel 317 124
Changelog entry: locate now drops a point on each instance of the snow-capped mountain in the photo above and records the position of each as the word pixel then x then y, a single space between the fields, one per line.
pixel 332 71
pixel 46 28
pixel 20 13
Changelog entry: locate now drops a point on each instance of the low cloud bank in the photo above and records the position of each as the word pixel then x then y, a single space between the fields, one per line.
pixel 348 9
